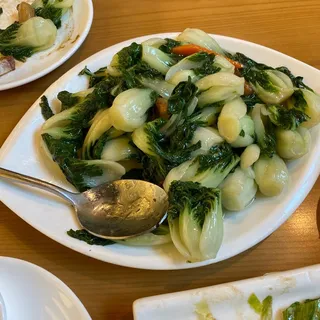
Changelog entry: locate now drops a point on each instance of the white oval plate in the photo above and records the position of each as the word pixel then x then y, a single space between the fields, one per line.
pixel 230 300
pixel 74 30
pixel 53 218
pixel 30 292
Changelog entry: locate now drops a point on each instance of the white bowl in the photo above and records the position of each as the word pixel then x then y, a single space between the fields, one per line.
pixel 30 292
pixel 74 30
pixel 53 217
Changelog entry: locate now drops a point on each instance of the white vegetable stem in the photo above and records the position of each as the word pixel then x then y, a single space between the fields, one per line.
pixel 229 125
pixel 129 108
pixel 238 189
pixel 271 175
pixel 249 156
pixel 117 149
pixel 292 144
pixel 221 86
pixel 36 32
pixel 156 59
pixel 282 87
pixel 200 38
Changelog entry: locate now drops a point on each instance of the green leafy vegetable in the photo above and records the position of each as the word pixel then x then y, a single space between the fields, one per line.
pixel 264 131
pixel 264 308
pixel 249 63
pixel 207 169
pixel 23 40
pixel 61 148
pixel 85 174
pixel 266 313
pixel 89 238
pixel 94 77
pixel 104 138
pixel 140 74
pixel 285 118
pixel 251 100
pixel 297 81
pixel 45 108
pixel 255 303
pixel 309 309
pixel 181 97
pixel 167 48
pixel 208 66
pixel 127 57
pixel 53 10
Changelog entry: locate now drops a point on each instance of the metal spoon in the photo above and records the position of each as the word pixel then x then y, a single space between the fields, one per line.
pixel 115 210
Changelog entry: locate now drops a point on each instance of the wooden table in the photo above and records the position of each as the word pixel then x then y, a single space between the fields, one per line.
pixel 108 291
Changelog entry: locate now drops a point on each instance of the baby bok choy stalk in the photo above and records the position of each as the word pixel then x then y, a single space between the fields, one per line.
pixel 195 220
pixel 238 190
pixel 129 109
pixel 249 156
pixel 181 104
pixel 159 236
pixel 229 122
pixel 23 40
pixel 308 103
pixel 124 59
pixel 85 174
pixel 292 144
pixel 69 99
pixel 100 132
pixel 200 38
pixel 309 309
pixel 246 135
pixel 118 149
pixel 207 169
pixel 143 75
pixel 52 9
pixel 272 86
pixel 264 131
pixel 167 152
pixel 271 175
pixel 157 59
pixel 193 62
pixel 208 137
pixel 221 86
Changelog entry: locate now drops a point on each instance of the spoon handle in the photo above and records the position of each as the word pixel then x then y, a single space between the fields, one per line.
pixel 4 173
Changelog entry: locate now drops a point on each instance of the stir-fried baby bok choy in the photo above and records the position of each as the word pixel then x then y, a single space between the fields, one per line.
pixel 208 126
pixel 195 220
pixel 23 40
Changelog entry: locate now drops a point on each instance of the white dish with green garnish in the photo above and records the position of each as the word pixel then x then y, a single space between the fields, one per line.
pixel 255 220
pixel 275 296
pixel 42 37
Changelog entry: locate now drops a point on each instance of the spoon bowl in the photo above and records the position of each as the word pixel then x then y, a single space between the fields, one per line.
pixel 116 210
pixel 122 208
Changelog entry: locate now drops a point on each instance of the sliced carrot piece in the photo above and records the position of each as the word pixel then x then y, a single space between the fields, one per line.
pixel 189 49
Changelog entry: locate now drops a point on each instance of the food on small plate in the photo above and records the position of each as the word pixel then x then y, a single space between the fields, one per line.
pixel 35 31
pixel 7 64
pixel 309 309
pixel 212 127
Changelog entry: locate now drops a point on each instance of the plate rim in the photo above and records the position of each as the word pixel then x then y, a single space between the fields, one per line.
pixel 115 259
pixel 47 274
pixel 57 64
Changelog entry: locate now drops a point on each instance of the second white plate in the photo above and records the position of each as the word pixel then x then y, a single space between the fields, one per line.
pixel 230 300
pixel 53 217
pixel 74 30
pixel 30 292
